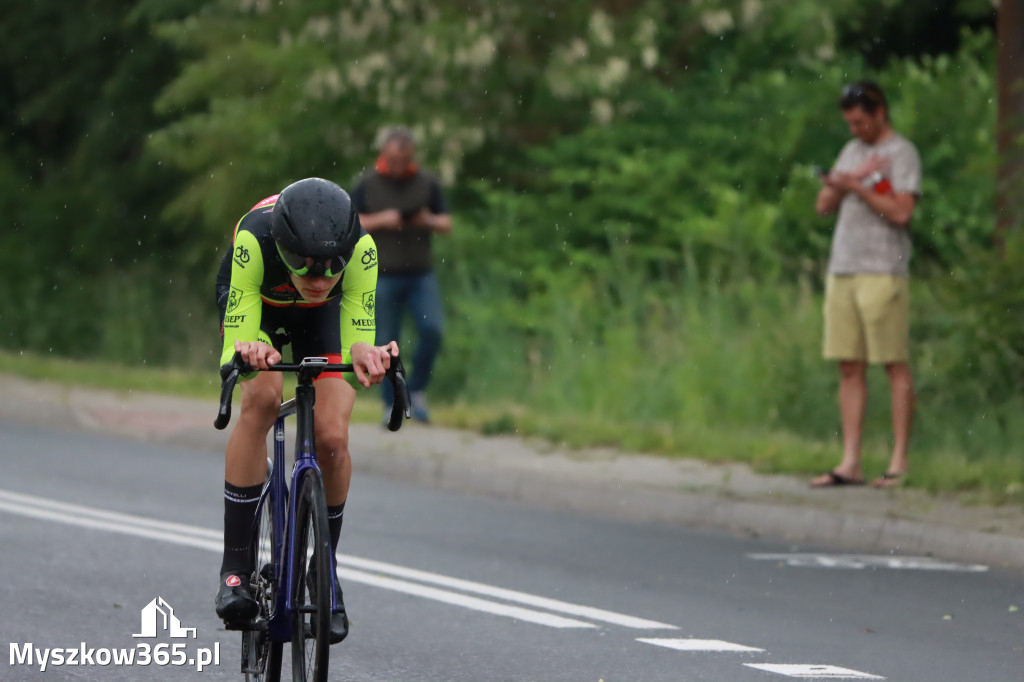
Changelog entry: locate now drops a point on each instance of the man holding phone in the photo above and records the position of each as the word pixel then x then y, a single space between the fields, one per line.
pixel 403 208
pixel 874 186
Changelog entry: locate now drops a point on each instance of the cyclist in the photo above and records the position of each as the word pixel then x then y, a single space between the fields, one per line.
pixel 300 263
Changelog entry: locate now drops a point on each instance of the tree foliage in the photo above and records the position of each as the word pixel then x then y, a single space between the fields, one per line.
pixel 577 139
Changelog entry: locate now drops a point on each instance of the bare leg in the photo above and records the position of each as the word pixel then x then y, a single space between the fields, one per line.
pixel 334 398
pixel 901 385
pixel 853 399
pixel 245 461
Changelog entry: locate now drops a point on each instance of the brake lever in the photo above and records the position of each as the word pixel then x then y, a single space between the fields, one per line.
pixel 402 406
pixel 226 389
pixel 229 373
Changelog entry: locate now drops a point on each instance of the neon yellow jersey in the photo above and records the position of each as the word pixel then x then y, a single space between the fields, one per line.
pixel 257 278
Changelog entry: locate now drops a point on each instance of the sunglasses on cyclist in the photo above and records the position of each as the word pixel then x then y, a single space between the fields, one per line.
pixel 319 267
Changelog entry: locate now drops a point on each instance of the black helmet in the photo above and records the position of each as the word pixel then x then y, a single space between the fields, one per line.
pixel 314 219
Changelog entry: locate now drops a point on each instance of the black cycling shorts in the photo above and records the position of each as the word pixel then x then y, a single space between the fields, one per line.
pixel 314 331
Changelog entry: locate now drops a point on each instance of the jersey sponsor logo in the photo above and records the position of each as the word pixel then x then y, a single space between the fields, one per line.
pixel 234 298
pixel 369 259
pixel 233 319
pixel 364 323
pixel 241 256
pixel 368 303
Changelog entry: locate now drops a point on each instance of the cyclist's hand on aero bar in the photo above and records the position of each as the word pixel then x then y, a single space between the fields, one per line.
pixel 371 362
pixel 258 354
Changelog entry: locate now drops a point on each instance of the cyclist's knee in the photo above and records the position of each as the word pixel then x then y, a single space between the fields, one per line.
pixel 332 447
pixel 261 401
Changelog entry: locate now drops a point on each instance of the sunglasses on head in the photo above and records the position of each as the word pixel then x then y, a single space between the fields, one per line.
pixel 304 266
pixel 857 93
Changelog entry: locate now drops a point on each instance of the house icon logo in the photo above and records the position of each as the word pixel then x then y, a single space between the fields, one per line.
pixel 159 615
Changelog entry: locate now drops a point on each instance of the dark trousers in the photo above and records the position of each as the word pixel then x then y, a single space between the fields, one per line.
pixel 420 293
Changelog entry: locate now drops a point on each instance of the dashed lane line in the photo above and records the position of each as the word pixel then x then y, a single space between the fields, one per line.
pixel 861 561
pixel 706 645
pixel 813 672
pixel 801 671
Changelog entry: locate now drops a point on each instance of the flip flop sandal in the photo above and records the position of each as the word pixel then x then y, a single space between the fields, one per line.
pixel 835 480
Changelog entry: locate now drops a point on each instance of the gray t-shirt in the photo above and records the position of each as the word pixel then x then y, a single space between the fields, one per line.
pixel 864 241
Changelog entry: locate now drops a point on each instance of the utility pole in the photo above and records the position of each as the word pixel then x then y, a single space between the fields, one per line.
pixel 1010 124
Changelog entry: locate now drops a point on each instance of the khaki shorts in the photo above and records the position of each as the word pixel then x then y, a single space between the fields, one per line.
pixel 867 318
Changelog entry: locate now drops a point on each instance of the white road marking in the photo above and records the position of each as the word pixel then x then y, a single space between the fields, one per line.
pixel 99 524
pixel 211 540
pixel 462 600
pixel 505 594
pixel 859 561
pixel 698 644
pixel 827 672
pixel 95 512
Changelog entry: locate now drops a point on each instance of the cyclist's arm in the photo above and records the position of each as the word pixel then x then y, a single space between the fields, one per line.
pixel 358 301
pixel 242 317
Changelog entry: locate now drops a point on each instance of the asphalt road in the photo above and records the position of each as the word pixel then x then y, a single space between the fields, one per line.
pixel 446 586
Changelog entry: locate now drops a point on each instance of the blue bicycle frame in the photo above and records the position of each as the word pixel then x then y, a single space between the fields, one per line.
pixel 276 493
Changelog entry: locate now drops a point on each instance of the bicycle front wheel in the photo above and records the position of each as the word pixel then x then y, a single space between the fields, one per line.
pixel 312 574
pixel 261 657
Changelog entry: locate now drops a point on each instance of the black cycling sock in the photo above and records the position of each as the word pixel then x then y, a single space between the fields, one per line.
pixel 335 515
pixel 239 512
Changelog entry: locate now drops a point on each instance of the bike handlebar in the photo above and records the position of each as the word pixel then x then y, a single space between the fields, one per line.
pixel 310 368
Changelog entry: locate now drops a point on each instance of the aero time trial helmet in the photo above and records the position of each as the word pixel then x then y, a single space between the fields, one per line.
pixel 314 220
